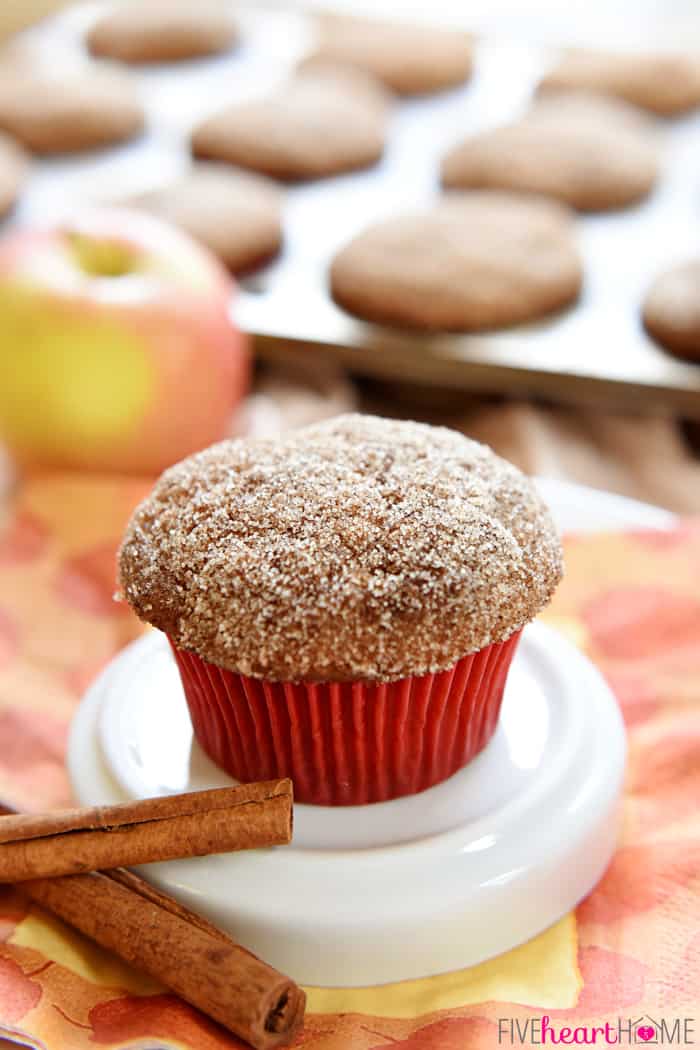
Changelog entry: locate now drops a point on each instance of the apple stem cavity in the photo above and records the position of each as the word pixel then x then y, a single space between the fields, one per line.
pixel 99 257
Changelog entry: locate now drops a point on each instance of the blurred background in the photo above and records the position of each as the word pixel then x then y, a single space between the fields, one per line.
pixel 129 340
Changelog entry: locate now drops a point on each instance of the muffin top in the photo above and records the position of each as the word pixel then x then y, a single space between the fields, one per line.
pixel 357 548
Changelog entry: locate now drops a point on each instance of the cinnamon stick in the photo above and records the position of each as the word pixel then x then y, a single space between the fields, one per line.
pixel 159 936
pixel 68 842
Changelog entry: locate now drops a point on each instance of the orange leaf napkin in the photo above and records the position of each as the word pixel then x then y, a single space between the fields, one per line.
pixel 629 958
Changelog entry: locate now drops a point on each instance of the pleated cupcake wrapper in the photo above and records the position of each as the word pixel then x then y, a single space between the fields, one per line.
pixel 348 743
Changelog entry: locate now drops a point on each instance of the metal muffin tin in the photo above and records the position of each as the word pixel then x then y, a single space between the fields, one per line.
pixel 594 352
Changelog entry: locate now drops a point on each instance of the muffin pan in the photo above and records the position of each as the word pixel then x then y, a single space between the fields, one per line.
pixel 595 352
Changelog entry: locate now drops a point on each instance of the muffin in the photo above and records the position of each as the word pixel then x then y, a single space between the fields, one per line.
pixel 343 602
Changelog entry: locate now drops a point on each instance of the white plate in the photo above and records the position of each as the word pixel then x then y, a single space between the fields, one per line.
pixel 402 889
pixel 419 885
pixel 578 508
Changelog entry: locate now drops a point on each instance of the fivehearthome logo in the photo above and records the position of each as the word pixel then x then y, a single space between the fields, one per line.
pixel 652 1031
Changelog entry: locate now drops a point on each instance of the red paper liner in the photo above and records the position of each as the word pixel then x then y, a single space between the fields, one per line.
pixel 348 743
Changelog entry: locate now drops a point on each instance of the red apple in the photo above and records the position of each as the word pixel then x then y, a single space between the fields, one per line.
pixel 117 351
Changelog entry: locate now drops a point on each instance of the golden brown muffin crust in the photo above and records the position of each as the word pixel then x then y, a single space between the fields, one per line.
pixel 358 548
pixel 316 124
pixel 671 310
pixel 475 260
pixel 236 214
pixel 665 84
pixel 49 112
pixel 410 59
pixel 163 31
pixel 588 151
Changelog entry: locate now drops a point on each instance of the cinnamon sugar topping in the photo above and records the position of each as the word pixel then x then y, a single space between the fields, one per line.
pixel 359 548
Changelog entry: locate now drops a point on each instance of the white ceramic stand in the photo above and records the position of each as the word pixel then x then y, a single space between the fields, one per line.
pixel 395 890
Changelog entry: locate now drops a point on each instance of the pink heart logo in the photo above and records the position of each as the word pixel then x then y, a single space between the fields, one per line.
pixel 646 1032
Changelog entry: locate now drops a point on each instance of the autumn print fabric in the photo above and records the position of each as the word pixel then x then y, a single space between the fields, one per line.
pixel 629 956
